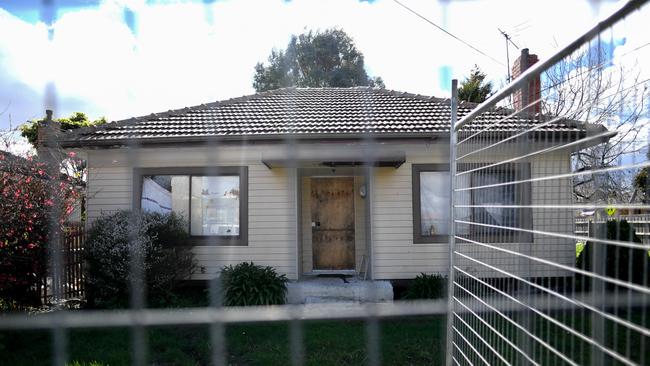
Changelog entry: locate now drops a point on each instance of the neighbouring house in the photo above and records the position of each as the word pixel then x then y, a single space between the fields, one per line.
pixel 316 180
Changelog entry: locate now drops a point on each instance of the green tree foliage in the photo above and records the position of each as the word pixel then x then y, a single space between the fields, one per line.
pixel 474 88
pixel 76 120
pixel 315 59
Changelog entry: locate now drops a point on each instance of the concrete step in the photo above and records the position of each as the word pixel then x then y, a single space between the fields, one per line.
pixel 328 300
pixel 328 290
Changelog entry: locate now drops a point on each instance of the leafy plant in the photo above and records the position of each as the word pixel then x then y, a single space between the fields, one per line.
pixel 155 238
pixel 91 363
pixel 251 284
pixel 7 305
pixel 427 286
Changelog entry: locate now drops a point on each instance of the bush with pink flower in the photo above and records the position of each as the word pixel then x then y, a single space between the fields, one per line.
pixel 29 201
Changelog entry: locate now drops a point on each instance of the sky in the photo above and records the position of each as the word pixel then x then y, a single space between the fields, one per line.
pixel 171 54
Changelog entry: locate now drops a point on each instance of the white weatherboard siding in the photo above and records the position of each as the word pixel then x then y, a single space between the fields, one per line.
pixel 271 203
pixel 397 257
pixel 272 221
pixel 395 254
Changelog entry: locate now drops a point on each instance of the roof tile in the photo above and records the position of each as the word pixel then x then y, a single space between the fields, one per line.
pixel 304 111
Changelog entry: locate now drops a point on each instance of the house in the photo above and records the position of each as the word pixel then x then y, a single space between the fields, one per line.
pixel 309 180
pixel 336 180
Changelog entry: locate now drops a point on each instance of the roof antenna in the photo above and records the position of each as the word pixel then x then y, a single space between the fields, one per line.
pixel 508 40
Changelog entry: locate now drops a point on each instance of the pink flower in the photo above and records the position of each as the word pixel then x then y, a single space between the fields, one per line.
pixel 72 154
pixel 49 202
pixel 30 246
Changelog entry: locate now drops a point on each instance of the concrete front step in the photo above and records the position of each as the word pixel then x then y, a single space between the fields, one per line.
pixel 314 290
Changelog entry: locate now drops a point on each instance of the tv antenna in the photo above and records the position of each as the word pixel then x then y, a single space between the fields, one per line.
pixel 508 40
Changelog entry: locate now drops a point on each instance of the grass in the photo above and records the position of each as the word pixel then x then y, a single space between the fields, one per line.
pixel 403 342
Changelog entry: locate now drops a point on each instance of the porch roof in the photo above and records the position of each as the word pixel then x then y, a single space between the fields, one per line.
pixel 337 158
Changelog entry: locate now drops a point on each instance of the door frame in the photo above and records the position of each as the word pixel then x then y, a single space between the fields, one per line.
pixel 319 172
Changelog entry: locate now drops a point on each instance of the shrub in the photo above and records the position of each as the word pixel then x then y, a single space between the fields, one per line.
pixel 625 264
pixel 427 286
pixel 155 237
pixel 28 197
pixel 250 284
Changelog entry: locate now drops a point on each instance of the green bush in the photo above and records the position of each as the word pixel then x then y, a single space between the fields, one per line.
pixel 250 284
pixel 155 237
pixel 625 264
pixel 426 286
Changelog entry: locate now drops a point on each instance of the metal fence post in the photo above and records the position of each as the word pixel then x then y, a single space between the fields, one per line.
pixel 452 227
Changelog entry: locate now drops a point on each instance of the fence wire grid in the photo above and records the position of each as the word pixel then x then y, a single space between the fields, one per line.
pixel 536 175
pixel 548 254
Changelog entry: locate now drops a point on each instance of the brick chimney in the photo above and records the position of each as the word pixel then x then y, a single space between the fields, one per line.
pixel 531 92
pixel 48 133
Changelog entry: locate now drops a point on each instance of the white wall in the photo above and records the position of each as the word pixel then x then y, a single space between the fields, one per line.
pixel 397 257
pixel 272 207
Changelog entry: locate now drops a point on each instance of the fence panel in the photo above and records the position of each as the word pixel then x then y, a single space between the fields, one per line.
pixel 70 285
pixel 525 287
pixel 546 265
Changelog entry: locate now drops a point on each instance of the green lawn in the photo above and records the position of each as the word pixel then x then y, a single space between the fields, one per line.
pixel 403 342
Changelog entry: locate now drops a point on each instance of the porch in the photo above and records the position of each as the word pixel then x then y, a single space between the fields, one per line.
pixel 317 289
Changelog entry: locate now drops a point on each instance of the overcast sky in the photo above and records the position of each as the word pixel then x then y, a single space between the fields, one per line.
pixel 184 53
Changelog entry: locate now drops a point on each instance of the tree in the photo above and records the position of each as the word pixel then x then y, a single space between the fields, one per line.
pixel 474 88
pixel 75 168
pixel 589 88
pixel 315 59
pixel 76 120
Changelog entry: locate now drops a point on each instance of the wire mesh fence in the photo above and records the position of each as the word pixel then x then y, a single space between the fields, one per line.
pixel 547 261
pixel 540 214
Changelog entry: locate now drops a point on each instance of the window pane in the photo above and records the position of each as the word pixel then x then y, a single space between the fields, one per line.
pixel 463 198
pixel 434 203
pixel 166 193
pixel 215 206
pixel 502 195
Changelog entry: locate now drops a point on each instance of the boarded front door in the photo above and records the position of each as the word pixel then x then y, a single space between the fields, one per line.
pixel 332 214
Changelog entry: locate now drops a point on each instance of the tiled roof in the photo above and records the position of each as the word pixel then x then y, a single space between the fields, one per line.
pixel 302 113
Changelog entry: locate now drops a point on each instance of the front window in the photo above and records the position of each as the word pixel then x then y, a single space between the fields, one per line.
pixel 212 204
pixel 500 206
pixel 431 203
pixel 434 203
pixel 497 207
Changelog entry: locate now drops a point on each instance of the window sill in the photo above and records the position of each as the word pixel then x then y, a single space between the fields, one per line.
pixel 213 241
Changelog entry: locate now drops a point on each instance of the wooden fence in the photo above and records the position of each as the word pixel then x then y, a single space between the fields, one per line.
pixel 70 284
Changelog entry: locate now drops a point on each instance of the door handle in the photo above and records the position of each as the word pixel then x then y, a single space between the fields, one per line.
pixel 315 224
